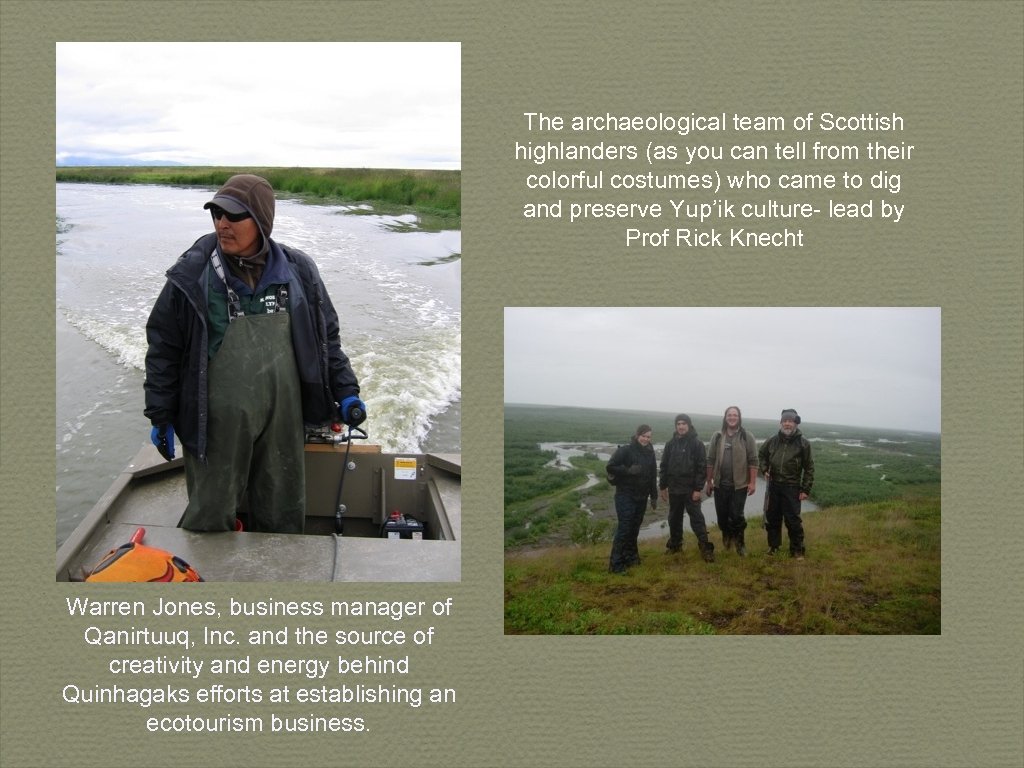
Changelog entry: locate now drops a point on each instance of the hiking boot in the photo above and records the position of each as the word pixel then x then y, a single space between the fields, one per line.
pixel 707 551
pixel 727 541
pixel 773 552
pixel 740 544
pixel 797 555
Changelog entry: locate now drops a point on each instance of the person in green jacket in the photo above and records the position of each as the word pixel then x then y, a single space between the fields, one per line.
pixel 786 462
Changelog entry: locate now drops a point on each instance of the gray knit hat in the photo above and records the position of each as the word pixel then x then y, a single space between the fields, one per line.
pixel 790 414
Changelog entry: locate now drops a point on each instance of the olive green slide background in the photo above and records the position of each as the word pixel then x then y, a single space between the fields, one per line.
pixel 953 70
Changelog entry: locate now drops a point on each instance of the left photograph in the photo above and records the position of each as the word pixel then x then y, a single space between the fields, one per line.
pixel 258 314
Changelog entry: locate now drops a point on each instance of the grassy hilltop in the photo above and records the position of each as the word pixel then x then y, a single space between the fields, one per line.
pixel 873 562
pixel 870 569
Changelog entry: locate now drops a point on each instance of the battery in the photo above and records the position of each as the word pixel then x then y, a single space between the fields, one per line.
pixel 398 526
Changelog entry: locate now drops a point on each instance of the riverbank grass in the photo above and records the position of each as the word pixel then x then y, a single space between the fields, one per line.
pixel 434 196
pixel 870 569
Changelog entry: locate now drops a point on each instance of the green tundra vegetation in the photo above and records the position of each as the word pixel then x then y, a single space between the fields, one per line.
pixel 435 196
pixel 873 563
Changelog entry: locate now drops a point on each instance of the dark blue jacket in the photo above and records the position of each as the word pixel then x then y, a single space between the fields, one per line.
pixel 642 484
pixel 177 361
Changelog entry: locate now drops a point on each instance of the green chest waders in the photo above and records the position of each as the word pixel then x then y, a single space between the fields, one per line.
pixel 254 434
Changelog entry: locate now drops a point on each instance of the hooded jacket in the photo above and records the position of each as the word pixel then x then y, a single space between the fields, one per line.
pixel 644 483
pixel 683 463
pixel 178 332
pixel 788 460
pixel 744 456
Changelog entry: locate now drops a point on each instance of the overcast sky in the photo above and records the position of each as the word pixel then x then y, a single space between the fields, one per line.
pixel 862 366
pixel 335 105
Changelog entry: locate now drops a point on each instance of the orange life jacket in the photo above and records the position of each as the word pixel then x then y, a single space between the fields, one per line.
pixel 135 561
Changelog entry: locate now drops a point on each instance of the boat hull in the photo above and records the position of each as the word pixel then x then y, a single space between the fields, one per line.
pixel 426 488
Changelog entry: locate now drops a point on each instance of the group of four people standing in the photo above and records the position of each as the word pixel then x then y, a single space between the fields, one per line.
pixel 728 470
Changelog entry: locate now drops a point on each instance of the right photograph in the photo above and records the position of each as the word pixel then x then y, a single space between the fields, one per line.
pixel 722 470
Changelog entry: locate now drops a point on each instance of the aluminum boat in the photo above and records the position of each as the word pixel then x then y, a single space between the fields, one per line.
pixel 399 517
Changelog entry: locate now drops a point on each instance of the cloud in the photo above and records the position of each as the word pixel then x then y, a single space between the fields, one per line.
pixel 860 366
pixel 374 105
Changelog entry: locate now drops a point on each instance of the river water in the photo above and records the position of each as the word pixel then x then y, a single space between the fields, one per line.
pixel 397 294
pixel 658 522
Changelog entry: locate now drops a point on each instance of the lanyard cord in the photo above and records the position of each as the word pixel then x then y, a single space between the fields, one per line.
pixel 234 304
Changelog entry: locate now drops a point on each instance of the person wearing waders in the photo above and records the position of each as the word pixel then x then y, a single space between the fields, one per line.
pixel 683 467
pixel 732 476
pixel 244 350
pixel 786 462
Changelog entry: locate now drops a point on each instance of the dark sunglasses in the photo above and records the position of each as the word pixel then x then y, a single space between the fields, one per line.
pixel 232 217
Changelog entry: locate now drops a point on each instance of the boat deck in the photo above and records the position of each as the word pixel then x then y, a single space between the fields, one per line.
pixel 151 494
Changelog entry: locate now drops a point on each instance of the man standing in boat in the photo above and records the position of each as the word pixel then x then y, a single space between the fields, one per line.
pixel 244 349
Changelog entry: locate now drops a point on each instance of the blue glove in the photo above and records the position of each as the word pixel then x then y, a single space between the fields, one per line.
pixel 163 439
pixel 352 411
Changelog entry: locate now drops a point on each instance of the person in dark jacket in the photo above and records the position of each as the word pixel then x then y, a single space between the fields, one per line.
pixel 786 462
pixel 683 467
pixel 244 350
pixel 633 470
pixel 732 476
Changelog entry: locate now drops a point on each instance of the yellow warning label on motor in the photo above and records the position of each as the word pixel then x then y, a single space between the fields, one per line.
pixel 405 469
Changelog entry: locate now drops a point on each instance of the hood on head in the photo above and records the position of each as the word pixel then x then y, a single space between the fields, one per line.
pixel 691 431
pixel 251 194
